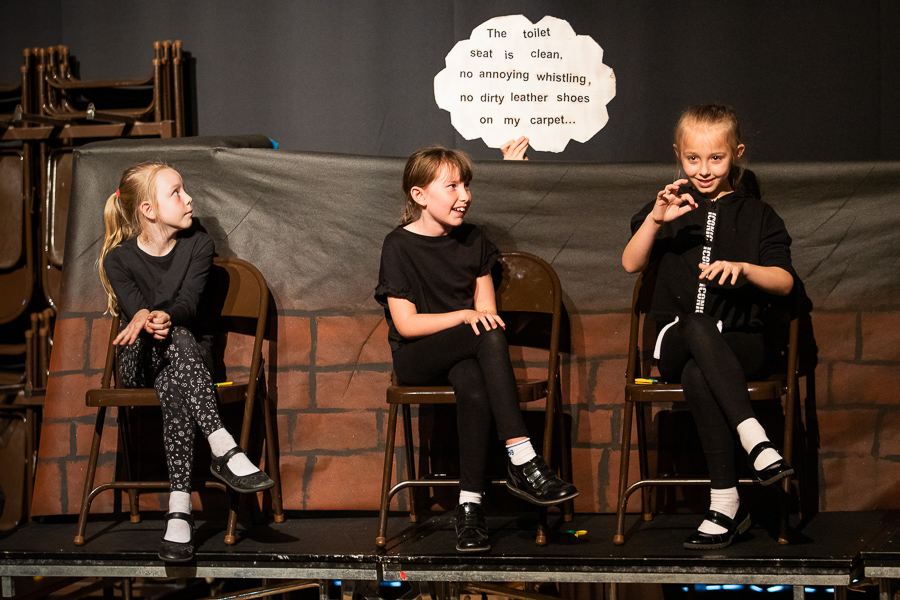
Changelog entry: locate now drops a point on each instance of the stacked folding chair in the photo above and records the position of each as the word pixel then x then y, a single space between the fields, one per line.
pixel 44 115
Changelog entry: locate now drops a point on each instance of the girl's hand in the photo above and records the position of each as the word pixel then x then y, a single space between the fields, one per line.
pixel 158 324
pixel 724 270
pixel 133 329
pixel 515 149
pixel 670 205
pixel 489 320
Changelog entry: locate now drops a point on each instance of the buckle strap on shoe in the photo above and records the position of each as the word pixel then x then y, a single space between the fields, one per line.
pixel 720 519
pixel 758 449
pixel 182 516
pixel 541 473
pixel 225 457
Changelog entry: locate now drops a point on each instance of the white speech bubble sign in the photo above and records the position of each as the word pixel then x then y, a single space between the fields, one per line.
pixel 513 77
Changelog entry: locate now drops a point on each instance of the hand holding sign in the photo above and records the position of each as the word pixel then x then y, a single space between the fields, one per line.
pixel 514 78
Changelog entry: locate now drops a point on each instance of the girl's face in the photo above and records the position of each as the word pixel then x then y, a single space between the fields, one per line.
pixel 444 201
pixel 173 211
pixel 706 158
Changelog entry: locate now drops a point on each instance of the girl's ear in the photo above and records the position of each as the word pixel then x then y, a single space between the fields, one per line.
pixel 418 195
pixel 675 147
pixel 147 211
pixel 740 150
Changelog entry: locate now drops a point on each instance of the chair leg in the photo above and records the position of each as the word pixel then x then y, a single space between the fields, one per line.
pixel 788 450
pixel 272 461
pixel 234 501
pixel 619 537
pixel 381 538
pixel 641 410
pixel 540 538
pixel 410 461
pixel 133 505
pixel 565 457
pixel 123 416
pixel 89 476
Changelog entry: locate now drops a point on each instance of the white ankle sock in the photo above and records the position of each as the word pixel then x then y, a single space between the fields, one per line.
pixel 220 442
pixel 473 497
pixel 178 530
pixel 520 452
pixel 725 501
pixel 751 434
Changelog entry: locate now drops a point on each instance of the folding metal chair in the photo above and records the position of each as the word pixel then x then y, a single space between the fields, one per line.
pixel 530 302
pixel 242 300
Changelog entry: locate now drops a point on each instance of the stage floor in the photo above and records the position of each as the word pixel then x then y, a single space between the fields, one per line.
pixel 827 550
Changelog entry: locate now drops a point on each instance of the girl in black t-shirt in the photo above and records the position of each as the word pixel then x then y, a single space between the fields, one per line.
pixel 436 287
pixel 721 255
pixel 154 268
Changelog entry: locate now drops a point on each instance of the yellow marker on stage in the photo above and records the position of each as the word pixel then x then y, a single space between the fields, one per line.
pixel 644 381
pixel 224 383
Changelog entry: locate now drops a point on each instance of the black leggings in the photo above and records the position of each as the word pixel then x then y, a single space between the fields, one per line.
pixel 713 369
pixel 176 368
pixel 478 368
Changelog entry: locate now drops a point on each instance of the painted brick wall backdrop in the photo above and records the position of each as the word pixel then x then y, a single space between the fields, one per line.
pixel 313 224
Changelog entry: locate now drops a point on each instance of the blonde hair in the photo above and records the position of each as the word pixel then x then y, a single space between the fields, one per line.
pixel 122 216
pixel 721 118
pixel 423 167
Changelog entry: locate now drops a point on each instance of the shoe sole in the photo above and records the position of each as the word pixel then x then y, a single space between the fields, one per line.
pixel 742 528
pixel 473 550
pixel 175 560
pixel 520 494
pixel 261 488
pixel 786 473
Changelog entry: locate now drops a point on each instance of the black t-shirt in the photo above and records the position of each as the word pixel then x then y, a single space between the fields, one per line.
pixel 436 274
pixel 173 283
pixel 746 230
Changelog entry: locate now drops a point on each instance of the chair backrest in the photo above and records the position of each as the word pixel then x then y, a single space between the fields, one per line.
pixel 16 256
pixel 236 300
pixel 54 216
pixel 529 299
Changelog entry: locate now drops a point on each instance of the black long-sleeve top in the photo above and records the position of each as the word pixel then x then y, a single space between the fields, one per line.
pixel 747 230
pixel 173 283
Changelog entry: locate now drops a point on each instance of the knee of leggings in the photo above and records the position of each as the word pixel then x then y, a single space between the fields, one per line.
pixel 181 335
pixel 494 340
pixel 698 324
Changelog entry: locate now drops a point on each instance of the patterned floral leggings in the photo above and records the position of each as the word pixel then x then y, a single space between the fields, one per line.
pixel 175 367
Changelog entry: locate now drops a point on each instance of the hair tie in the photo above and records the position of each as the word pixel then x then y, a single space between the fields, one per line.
pixel 117 194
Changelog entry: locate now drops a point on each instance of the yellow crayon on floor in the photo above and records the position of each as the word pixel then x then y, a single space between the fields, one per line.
pixel 224 383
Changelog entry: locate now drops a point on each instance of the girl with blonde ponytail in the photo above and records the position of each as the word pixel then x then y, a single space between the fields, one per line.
pixel 154 266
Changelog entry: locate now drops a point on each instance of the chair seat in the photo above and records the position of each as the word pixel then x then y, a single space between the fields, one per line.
pixel 147 396
pixel 768 389
pixel 530 390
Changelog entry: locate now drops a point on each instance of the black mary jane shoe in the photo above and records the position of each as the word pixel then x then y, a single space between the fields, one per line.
pixel 712 541
pixel 245 484
pixel 777 471
pixel 471 528
pixel 537 483
pixel 177 552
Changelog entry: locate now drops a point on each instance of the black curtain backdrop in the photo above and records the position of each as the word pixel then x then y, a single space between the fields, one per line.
pixel 813 80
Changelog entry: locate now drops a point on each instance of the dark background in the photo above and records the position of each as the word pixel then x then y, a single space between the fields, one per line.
pixel 813 80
